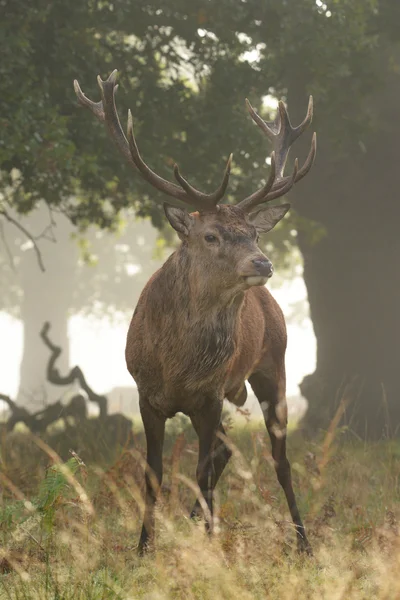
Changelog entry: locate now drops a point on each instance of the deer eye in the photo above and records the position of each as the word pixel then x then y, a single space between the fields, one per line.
pixel 210 238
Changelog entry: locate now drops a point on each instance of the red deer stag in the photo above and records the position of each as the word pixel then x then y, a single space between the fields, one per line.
pixel 205 323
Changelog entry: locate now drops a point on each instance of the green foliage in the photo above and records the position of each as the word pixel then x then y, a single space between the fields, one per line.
pixel 25 518
pixel 185 68
pixel 10 514
pixel 61 152
pixel 54 488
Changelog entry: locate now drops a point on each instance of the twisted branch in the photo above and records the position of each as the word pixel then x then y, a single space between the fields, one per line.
pixel 75 374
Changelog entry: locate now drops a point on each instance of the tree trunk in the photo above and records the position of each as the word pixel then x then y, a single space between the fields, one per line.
pixel 47 297
pixel 353 279
pixel 353 283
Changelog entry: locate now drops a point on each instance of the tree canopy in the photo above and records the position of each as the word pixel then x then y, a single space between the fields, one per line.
pixel 64 157
pixel 185 68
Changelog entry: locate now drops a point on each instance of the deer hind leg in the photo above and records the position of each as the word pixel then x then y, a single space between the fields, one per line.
pixel 271 396
pixel 213 456
pixel 220 456
pixel 154 427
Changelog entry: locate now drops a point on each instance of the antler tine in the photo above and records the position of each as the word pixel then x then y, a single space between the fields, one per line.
pixel 289 183
pixel 281 132
pixel 106 112
pixel 260 194
pixel 283 135
pixel 156 181
pixel 212 198
pixel 108 89
pixel 308 163
pixel 95 107
pixel 254 200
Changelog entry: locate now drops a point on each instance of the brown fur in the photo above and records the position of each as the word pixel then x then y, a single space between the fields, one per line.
pixel 175 351
pixel 198 333
pixel 192 335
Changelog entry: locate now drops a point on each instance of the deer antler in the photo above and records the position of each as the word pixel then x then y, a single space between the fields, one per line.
pixel 106 112
pixel 283 135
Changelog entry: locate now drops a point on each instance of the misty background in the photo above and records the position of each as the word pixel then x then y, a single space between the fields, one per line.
pixel 93 335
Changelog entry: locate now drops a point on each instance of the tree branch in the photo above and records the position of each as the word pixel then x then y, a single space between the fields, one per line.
pixel 8 401
pixel 7 247
pixel 19 414
pixel 75 374
pixel 9 218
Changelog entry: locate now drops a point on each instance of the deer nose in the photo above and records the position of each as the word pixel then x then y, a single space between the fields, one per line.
pixel 264 266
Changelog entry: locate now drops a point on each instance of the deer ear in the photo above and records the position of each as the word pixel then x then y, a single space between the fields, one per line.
pixel 179 219
pixel 265 219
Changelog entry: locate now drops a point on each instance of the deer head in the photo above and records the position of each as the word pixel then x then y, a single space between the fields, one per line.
pixel 221 239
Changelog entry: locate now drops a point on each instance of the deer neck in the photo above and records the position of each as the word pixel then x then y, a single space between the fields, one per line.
pixel 197 295
pixel 203 324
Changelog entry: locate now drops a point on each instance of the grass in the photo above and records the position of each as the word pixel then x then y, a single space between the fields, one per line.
pixel 70 532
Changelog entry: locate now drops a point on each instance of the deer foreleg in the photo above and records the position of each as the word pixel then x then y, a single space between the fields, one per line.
pixel 154 427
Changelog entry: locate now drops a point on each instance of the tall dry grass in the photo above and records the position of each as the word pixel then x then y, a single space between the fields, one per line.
pixel 70 532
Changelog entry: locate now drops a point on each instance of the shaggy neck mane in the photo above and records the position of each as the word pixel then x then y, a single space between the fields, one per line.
pixel 203 322
pixel 192 294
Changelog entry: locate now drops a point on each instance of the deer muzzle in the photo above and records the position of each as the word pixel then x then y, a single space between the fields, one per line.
pixel 262 271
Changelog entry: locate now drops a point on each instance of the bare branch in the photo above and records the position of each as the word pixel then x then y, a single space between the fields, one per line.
pixel 7 247
pixel 8 401
pixel 19 414
pixel 9 218
pixel 48 231
pixel 75 374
